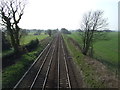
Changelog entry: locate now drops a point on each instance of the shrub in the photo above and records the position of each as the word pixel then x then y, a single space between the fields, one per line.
pixel 32 45
pixel 5 43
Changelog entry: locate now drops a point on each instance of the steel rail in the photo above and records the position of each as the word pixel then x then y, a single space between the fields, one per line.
pixel 66 66
pixel 40 69
pixel 48 70
pixel 39 57
pixel 58 65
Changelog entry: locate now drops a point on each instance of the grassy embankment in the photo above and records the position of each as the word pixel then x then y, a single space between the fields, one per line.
pixel 12 74
pixel 89 76
pixel 106 51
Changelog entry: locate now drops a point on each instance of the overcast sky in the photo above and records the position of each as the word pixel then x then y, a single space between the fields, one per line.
pixel 52 14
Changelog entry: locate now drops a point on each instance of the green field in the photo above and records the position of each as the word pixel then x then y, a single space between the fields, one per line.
pixel 28 38
pixel 104 50
pixel 25 40
pixel 108 50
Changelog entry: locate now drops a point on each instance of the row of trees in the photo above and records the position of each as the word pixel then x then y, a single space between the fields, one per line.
pixel 65 31
pixel 11 12
pixel 51 32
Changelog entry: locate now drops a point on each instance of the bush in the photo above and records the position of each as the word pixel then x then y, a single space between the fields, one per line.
pixel 32 45
pixel 14 72
pixel 9 58
pixel 5 43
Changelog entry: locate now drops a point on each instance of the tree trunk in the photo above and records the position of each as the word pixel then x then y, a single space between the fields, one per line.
pixel 84 51
pixel 86 48
pixel 91 51
pixel 15 44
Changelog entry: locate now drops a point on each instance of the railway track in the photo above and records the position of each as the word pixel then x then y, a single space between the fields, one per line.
pixel 50 69
pixel 64 79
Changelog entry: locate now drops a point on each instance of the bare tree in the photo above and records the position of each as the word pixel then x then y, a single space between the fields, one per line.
pixel 11 12
pixel 92 23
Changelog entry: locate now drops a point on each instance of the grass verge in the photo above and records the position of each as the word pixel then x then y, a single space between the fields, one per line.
pixel 105 51
pixel 12 74
pixel 90 78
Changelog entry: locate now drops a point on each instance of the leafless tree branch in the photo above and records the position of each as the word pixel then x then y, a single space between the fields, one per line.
pixel 11 12
pixel 92 21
